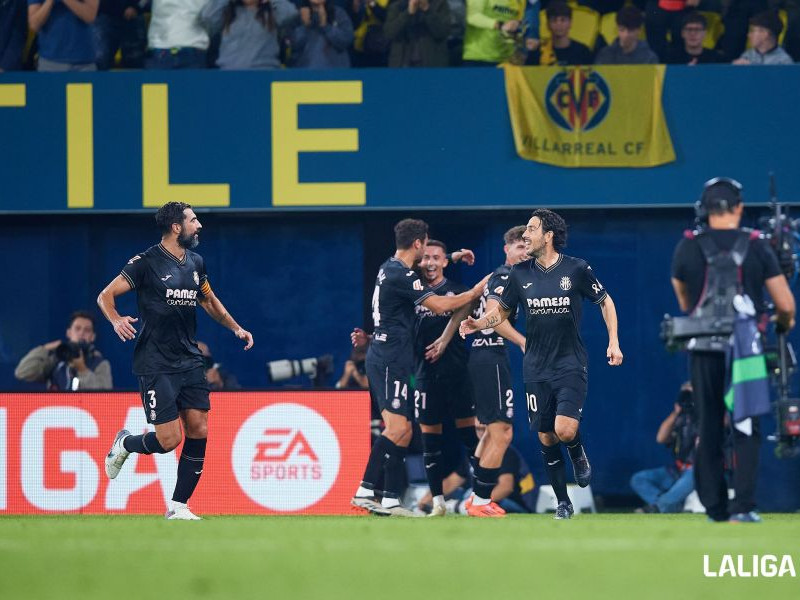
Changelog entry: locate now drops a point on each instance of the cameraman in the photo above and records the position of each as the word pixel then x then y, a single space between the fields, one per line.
pixel 713 269
pixel 71 365
pixel 665 489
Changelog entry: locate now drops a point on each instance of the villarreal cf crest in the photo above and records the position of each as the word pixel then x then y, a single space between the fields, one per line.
pixel 577 99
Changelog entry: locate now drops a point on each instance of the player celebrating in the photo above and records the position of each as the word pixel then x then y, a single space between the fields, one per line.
pixel 169 280
pixel 493 388
pixel 441 386
pixel 390 360
pixel 550 286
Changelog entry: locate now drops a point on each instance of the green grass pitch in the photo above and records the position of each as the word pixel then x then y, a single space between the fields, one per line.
pixel 361 558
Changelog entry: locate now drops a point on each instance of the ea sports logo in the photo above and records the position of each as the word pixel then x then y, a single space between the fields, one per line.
pixel 577 99
pixel 286 457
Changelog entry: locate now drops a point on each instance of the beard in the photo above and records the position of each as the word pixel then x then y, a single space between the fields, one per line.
pixel 188 242
pixel 535 252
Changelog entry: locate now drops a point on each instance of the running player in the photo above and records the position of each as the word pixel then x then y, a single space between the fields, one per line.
pixel 550 286
pixel 170 280
pixel 390 360
pixel 441 386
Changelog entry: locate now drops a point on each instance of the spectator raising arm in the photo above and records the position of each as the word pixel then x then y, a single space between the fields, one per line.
pixel 38 14
pixel 85 10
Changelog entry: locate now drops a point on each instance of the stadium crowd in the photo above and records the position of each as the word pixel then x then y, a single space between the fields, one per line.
pixel 87 35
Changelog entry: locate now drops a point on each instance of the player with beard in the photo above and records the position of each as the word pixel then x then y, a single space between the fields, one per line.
pixel 170 280
pixel 390 360
pixel 551 287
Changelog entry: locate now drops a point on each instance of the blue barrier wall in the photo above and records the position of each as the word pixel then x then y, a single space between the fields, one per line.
pixel 234 137
pixel 300 283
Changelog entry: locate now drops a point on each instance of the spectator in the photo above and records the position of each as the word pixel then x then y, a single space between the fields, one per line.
pixel 765 28
pixel 495 32
pixel 736 19
pixel 13 32
pixel 417 31
pixel 662 16
pixel 218 377
pixel 560 49
pixel 664 489
pixel 66 41
pixel 692 52
pixel 176 38
pixel 120 26
pixel 250 31
pixel 455 39
pixel 628 49
pixel 71 365
pixel 322 38
pixel 355 372
pixel 370 46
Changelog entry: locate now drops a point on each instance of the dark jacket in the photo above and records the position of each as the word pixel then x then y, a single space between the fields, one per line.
pixel 418 40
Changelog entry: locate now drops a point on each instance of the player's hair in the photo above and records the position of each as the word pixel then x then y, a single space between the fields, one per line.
pixel 553 222
pixel 438 244
pixel 407 231
pixel 171 212
pixel 81 314
pixel 513 235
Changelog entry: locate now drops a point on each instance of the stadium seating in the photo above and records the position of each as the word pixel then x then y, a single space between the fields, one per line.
pixel 585 25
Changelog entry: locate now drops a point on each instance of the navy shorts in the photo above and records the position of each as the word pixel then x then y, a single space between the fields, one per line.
pixel 438 398
pixel 165 394
pixel 493 391
pixel 389 387
pixel 546 399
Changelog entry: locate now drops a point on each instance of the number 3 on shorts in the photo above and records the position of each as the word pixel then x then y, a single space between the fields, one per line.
pixel 152 394
pixel 531 402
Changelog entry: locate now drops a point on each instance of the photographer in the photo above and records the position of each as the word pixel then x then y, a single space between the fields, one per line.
pixel 71 365
pixel 664 489
pixel 720 271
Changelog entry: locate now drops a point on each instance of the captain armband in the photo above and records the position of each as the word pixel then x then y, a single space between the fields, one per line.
pixel 205 288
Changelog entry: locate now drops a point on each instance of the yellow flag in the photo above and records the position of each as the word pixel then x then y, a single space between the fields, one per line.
pixel 605 116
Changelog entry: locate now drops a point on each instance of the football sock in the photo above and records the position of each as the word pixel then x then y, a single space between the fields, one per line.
pixel 393 470
pixel 143 444
pixel 485 480
pixel 377 457
pixel 575 448
pixel 470 440
pixel 190 467
pixel 432 445
pixel 554 464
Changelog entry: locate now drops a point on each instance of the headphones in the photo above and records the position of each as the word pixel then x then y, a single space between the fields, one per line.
pixel 701 206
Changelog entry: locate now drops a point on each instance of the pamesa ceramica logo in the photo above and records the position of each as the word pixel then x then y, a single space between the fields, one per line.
pixel 286 457
pixel 577 99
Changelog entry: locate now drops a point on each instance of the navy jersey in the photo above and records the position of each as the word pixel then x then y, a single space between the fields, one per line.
pixel 552 300
pixel 430 326
pixel 398 290
pixel 167 290
pixel 487 344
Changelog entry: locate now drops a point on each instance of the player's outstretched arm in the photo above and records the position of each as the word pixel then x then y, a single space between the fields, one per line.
pixel 442 304
pixel 214 307
pixel 435 349
pixel 122 325
pixel 491 319
pixel 609 311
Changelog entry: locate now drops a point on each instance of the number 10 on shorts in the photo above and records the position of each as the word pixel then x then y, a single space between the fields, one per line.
pixel 531 402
